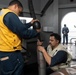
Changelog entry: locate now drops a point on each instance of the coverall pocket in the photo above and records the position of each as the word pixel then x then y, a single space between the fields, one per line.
pixel 10 65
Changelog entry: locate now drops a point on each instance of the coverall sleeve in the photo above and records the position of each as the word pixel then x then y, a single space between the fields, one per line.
pixel 60 57
pixel 13 23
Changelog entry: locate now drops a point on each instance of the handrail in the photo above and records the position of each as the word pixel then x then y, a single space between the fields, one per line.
pixel 71 40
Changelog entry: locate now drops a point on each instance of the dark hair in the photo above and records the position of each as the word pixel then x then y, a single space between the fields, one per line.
pixel 57 36
pixel 16 2
pixel 64 24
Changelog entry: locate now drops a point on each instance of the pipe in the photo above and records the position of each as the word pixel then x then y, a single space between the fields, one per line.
pixel 46 7
pixel 41 63
pixel 37 25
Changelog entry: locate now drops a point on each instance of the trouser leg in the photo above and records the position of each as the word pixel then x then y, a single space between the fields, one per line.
pixel 19 70
pixel 63 39
pixel 49 71
pixel 66 39
pixel 13 65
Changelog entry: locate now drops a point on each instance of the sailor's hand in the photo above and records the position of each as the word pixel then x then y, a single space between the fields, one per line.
pixel 41 48
pixel 39 43
pixel 38 30
pixel 34 21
